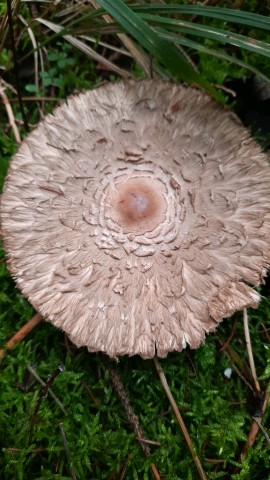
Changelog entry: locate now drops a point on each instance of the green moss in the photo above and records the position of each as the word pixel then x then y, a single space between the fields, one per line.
pixel 101 443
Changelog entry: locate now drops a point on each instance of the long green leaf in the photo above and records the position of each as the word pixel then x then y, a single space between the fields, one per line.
pixel 226 14
pixel 217 34
pixel 186 42
pixel 167 54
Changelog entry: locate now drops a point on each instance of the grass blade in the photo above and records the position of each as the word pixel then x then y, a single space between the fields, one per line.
pixel 248 19
pixel 85 48
pixel 168 55
pixel 186 42
pixel 216 34
pixel 141 58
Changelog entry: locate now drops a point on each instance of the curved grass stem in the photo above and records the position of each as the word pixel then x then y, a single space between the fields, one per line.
pixel 179 419
pixel 249 350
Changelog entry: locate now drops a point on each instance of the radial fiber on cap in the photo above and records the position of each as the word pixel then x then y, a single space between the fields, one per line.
pixel 136 217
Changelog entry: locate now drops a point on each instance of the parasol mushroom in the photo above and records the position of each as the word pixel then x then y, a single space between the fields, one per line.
pixel 137 216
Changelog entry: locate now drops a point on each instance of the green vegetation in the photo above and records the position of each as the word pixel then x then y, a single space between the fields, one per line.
pixel 91 438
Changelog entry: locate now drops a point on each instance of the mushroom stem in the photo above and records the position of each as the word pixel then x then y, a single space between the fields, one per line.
pixel 22 333
pixel 249 350
pixel 179 418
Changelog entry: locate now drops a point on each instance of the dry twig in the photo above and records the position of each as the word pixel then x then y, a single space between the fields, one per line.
pixel 15 59
pixel 50 392
pixel 262 429
pixel 230 336
pixel 266 332
pixel 132 418
pixel 36 55
pixel 36 99
pixel 90 393
pixel 261 398
pixel 150 442
pixel 9 111
pixel 122 475
pixel 256 422
pixel 22 333
pixel 249 350
pixel 35 450
pixel 179 419
pixel 43 394
pixel 66 447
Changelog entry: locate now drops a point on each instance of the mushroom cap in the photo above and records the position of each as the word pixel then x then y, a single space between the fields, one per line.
pixel 136 217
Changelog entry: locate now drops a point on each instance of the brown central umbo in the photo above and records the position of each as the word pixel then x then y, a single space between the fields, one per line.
pixel 138 204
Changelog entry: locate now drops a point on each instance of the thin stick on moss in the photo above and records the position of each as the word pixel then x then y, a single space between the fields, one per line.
pixel 10 114
pixel 21 334
pixel 66 447
pixel 123 472
pixel 266 332
pixel 179 419
pixel 43 394
pixel 262 429
pixel 36 99
pixel 50 392
pixel 35 450
pixel 131 416
pixel 229 339
pixel 150 442
pixel 90 393
pixel 249 350
pixel 257 418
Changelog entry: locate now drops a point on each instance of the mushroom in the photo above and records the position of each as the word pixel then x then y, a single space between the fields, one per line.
pixel 137 216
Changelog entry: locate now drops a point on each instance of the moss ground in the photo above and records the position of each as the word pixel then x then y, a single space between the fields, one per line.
pixel 93 439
